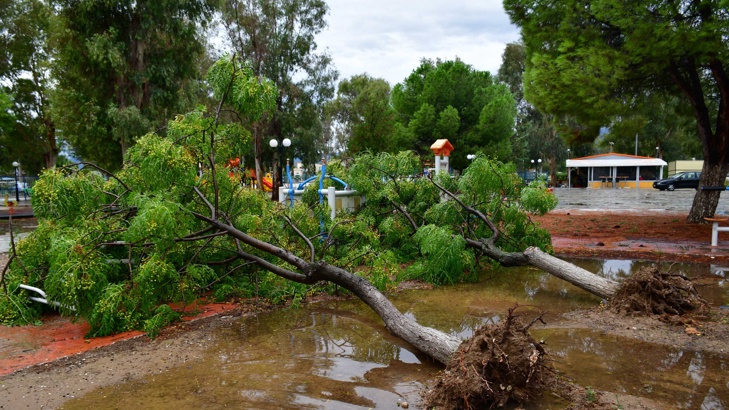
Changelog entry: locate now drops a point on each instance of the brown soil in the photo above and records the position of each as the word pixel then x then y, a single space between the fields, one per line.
pixel 47 365
pixel 632 235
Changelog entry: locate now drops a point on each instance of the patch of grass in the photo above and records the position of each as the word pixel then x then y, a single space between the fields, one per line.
pixel 591 395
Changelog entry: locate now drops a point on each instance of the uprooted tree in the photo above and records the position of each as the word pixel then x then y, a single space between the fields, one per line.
pixel 117 250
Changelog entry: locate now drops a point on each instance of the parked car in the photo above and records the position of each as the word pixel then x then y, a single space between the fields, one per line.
pixel 680 180
pixel 8 182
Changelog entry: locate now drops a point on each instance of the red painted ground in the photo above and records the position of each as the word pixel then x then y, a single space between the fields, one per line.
pixel 24 346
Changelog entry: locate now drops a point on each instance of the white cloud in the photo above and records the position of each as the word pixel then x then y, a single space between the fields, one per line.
pixel 388 38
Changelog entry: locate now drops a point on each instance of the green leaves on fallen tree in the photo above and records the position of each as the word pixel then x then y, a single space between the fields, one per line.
pixel 446 258
pixel 424 225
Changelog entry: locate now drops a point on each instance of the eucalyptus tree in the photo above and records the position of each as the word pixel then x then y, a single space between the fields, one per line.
pixel 25 57
pixel 276 38
pixel 450 99
pixel 364 119
pixel 591 60
pixel 120 68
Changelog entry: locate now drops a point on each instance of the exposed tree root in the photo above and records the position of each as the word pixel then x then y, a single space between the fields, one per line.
pixel 652 292
pixel 498 364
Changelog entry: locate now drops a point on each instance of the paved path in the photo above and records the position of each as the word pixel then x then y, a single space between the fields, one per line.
pixel 679 200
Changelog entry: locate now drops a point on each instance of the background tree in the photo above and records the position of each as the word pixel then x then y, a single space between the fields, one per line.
pixel 365 120
pixel 587 60
pixel 452 100
pixel 25 74
pixel 121 66
pixel 276 38
pixel 539 135
pixel 657 121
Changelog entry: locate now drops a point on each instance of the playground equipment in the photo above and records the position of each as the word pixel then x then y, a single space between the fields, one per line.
pixel 442 150
pixel 267 183
pixel 343 199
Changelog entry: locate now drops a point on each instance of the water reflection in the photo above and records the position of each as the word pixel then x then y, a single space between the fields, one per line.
pixel 339 356
pixel 710 280
pixel 615 364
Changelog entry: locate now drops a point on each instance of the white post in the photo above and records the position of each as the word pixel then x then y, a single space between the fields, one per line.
pixel 332 199
pixel 569 178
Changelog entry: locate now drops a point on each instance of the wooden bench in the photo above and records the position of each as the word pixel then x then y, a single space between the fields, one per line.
pixel 715 229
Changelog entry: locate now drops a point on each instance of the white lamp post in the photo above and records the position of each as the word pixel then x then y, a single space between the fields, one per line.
pixel 276 180
pixel 471 157
pixel 16 164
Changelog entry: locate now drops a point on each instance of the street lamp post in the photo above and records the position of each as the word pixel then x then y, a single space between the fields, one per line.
pixel 568 153
pixel 611 146
pixel 537 167
pixel 16 164
pixel 276 177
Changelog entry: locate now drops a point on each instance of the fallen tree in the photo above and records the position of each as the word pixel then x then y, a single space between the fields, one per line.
pixel 116 250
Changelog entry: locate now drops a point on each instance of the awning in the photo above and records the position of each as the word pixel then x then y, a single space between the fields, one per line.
pixel 615 160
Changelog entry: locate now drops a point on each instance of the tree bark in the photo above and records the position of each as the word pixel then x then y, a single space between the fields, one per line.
pixel 705 202
pixel 573 274
pixel 583 279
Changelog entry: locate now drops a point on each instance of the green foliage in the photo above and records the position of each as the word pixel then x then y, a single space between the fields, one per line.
pixel 435 246
pixel 446 259
pixel 252 96
pixel 164 315
pixel 366 119
pixel 604 61
pixel 121 68
pixel 27 131
pixel 61 194
pixel 119 250
pixel 449 99
pixel 304 77
pixel 16 310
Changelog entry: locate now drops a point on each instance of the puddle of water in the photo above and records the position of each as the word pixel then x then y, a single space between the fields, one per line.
pixel 339 355
pixel 691 380
pixel 711 282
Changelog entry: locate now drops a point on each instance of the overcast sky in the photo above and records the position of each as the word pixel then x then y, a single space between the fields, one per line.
pixel 388 38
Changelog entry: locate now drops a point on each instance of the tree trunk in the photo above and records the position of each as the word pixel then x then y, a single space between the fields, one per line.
pixel 436 344
pixel 50 157
pixel 257 154
pixel 583 279
pixel 553 171
pixel 705 202
pixel 573 274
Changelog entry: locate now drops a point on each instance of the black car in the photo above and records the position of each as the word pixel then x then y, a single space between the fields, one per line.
pixel 680 180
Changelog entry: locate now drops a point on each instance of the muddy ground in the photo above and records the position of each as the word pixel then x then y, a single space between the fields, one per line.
pixel 648 235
